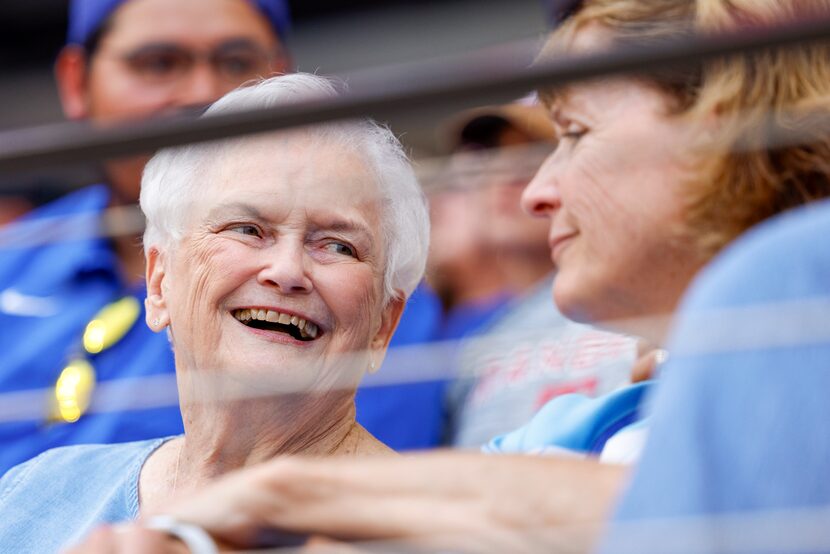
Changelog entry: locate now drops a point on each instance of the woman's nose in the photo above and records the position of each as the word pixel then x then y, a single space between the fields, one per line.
pixel 285 269
pixel 541 195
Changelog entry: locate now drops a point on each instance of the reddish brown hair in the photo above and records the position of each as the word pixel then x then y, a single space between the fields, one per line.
pixel 748 174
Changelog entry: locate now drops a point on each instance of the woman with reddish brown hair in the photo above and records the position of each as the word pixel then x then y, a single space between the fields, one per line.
pixel 653 175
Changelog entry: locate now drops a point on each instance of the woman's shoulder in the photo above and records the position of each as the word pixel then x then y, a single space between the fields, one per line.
pixel 70 489
pixel 77 462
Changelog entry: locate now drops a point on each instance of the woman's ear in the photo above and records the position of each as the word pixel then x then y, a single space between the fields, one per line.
pixel 390 318
pixel 155 304
pixel 71 77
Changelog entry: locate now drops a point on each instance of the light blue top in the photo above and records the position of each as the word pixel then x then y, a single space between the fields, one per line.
pixel 741 419
pixel 55 499
pixel 576 423
pixel 527 354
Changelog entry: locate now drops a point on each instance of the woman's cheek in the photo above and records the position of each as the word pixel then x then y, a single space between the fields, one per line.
pixel 356 293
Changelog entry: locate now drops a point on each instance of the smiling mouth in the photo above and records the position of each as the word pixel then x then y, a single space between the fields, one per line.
pixel 559 244
pixel 270 320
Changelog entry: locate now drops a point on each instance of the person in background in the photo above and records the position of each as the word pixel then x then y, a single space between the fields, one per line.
pixel 278 265
pixel 653 175
pixel 126 60
pixel 521 351
pixel 482 254
pixel 13 206
pixel 70 300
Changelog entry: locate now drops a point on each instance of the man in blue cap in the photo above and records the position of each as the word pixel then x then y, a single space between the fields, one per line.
pixel 71 302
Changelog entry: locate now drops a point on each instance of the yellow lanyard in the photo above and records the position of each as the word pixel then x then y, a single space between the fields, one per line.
pixel 70 397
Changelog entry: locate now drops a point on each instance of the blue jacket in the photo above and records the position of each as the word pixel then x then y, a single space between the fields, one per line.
pixel 55 275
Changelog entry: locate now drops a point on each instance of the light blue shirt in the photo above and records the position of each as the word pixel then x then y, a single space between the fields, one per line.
pixel 576 423
pixel 55 499
pixel 738 455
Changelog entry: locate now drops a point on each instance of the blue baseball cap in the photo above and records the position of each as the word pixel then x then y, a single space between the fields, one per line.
pixel 86 16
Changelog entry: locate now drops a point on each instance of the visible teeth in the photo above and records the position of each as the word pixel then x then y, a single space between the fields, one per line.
pixel 307 328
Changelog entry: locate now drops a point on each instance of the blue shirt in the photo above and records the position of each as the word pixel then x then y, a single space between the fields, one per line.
pixel 56 274
pixel 407 415
pixel 56 499
pixel 411 415
pixel 741 419
pixel 471 318
pixel 57 264
pixel 576 423
pixel 528 354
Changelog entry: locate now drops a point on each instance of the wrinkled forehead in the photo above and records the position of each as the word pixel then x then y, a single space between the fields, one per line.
pixel 314 171
pixel 572 39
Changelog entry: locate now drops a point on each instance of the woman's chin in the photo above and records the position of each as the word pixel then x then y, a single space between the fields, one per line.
pixel 571 300
pixel 271 378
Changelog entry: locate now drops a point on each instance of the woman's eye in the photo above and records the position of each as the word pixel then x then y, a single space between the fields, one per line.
pixel 573 132
pixel 249 230
pixel 341 248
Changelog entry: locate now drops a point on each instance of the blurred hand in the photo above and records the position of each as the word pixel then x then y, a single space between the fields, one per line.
pixel 448 500
pixel 649 358
pixel 463 502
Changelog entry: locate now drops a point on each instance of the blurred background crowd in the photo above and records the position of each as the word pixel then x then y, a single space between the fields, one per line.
pixel 489 269
pixel 481 359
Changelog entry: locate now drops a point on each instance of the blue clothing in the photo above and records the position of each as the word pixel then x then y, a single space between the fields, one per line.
pixel 407 415
pixel 410 415
pixel 576 423
pixel 741 418
pixel 527 354
pixel 56 499
pixel 87 16
pixel 50 291
pixel 70 279
pixel 469 318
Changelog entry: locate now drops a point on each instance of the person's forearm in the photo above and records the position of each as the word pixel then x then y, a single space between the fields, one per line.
pixel 476 501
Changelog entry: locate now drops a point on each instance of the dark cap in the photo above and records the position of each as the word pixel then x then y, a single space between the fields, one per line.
pixel 87 16
pixel 480 126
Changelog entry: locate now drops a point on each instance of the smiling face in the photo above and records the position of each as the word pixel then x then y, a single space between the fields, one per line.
pixel 613 193
pixel 143 63
pixel 284 236
pixel 156 57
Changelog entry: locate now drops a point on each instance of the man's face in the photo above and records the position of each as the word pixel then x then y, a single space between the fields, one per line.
pixel 158 56
pixel 513 164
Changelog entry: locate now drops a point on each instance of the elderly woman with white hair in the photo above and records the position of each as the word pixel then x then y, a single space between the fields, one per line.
pixel 276 264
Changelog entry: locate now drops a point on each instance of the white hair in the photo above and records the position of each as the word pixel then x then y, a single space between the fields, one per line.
pixel 174 176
